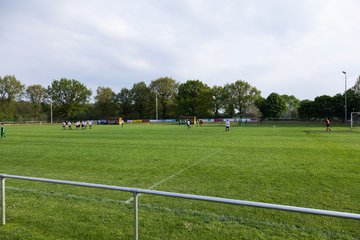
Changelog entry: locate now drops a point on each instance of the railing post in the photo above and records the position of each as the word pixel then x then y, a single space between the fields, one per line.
pixel 136 216
pixel 3 200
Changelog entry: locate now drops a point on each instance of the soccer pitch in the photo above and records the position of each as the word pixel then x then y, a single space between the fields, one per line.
pixel 297 165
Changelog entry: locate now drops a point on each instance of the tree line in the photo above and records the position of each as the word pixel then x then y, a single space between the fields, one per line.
pixel 163 97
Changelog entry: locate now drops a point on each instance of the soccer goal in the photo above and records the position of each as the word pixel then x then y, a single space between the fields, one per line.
pixel 355 119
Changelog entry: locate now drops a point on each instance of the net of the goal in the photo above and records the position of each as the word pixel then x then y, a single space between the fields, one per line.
pixel 355 119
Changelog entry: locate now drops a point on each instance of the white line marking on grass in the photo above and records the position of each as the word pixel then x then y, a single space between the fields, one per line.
pixel 181 171
pixel 177 173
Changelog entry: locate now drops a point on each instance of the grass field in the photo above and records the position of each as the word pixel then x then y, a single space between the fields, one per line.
pixel 297 165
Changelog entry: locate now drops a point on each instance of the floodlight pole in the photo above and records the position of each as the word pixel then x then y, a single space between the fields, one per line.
pixel 156 104
pixel 51 112
pixel 345 98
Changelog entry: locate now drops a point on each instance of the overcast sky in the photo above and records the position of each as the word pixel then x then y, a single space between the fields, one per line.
pixel 289 47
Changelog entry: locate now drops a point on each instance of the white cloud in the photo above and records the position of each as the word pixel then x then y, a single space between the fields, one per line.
pixel 289 47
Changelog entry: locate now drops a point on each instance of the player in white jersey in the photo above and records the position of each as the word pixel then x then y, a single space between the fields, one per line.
pixel 227 126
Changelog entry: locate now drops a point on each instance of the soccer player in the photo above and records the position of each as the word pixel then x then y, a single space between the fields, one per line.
pixel 327 122
pixel 83 125
pixel 77 124
pixel 2 131
pixel 227 126
pixel 188 123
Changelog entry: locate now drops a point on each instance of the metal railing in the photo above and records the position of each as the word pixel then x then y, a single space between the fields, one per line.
pixel 137 191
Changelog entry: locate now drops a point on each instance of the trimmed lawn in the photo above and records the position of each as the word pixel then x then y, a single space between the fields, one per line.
pixel 298 165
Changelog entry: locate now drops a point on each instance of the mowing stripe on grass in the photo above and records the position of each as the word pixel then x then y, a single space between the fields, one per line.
pixel 204 215
pixel 177 173
pixel 66 196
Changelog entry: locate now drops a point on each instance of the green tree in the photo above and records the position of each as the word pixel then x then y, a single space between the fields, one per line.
pixel 338 105
pixel 356 86
pixel 69 97
pixel 166 90
pixel 260 103
pixel 307 109
pixel 292 105
pixel 141 95
pixel 194 98
pixel 275 105
pixel 241 96
pixel 37 96
pixel 324 107
pixel 105 102
pixel 353 102
pixel 354 97
pixel 218 100
pixel 125 102
pixel 327 106
pixel 24 111
pixel 10 90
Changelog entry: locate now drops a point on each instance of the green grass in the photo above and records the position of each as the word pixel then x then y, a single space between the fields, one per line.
pixel 297 165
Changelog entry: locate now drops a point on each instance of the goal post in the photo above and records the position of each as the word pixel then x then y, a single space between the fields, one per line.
pixel 355 119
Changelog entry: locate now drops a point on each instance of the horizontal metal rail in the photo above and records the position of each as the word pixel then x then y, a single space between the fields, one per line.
pixel 137 191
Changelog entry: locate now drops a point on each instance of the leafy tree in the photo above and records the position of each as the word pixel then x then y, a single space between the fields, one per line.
pixel 69 97
pixel 275 105
pixel 292 105
pixel 338 105
pixel 88 113
pixel 306 109
pixel 218 99
pixel 125 101
pixel 324 106
pixel 91 112
pixel 194 98
pixel 356 87
pixel 166 90
pixel 260 103
pixel 229 109
pixel 10 89
pixel 105 102
pixel 353 102
pixel 142 96
pixel 327 106
pixel 37 96
pixel 24 111
pixel 241 96
pixel 354 97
